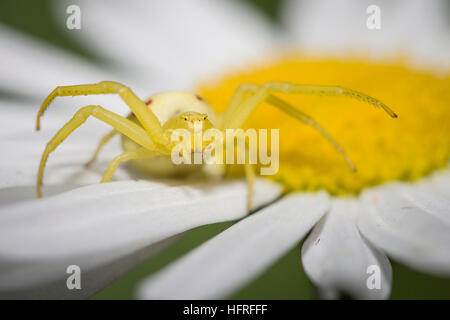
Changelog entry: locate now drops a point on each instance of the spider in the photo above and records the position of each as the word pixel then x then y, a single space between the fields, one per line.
pixel 146 131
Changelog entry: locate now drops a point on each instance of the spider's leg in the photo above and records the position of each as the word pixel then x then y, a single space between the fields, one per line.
pixel 239 119
pixel 303 117
pixel 236 118
pixel 237 115
pixel 287 87
pixel 139 153
pixel 121 124
pixel 240 109
pixel 248 167
pixel 143 113
pixel 235 101
pixel 250 175
pixel 102 142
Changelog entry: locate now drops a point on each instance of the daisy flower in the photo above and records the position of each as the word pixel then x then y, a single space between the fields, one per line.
pixel 395 206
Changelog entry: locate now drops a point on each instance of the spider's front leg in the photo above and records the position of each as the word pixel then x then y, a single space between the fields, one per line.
pixel 143 113
pixel 119 123
pixel 240 107
pixel 319 90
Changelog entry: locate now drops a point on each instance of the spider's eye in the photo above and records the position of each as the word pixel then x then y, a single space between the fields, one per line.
pixel 185 118
pixel 204 118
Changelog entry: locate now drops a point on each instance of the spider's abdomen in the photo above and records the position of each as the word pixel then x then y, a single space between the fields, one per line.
pixel 166 105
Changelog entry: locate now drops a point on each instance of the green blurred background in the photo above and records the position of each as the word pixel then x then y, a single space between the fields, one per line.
pixel 286 278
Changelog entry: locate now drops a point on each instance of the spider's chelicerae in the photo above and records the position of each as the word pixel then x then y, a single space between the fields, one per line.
pixel 146 132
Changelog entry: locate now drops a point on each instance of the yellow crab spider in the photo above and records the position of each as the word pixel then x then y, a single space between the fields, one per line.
pixel 146 132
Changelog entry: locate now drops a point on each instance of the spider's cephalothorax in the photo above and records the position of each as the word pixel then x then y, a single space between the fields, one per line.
pixel 175 110
pixel 146 131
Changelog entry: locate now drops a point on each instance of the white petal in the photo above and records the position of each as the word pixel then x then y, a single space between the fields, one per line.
pixel 174 41
pixel 239 254
pixel 440 181
pixel 30 67
pixel 337 258
pixel 411 230
pixel 103 227
pixel 429 199
pixel 415 27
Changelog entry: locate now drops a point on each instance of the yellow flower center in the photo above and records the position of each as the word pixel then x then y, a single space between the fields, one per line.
pixel 381 148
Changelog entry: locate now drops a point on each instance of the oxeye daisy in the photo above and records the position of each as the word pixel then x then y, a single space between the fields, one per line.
pixel 396 204
pixel 365 216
